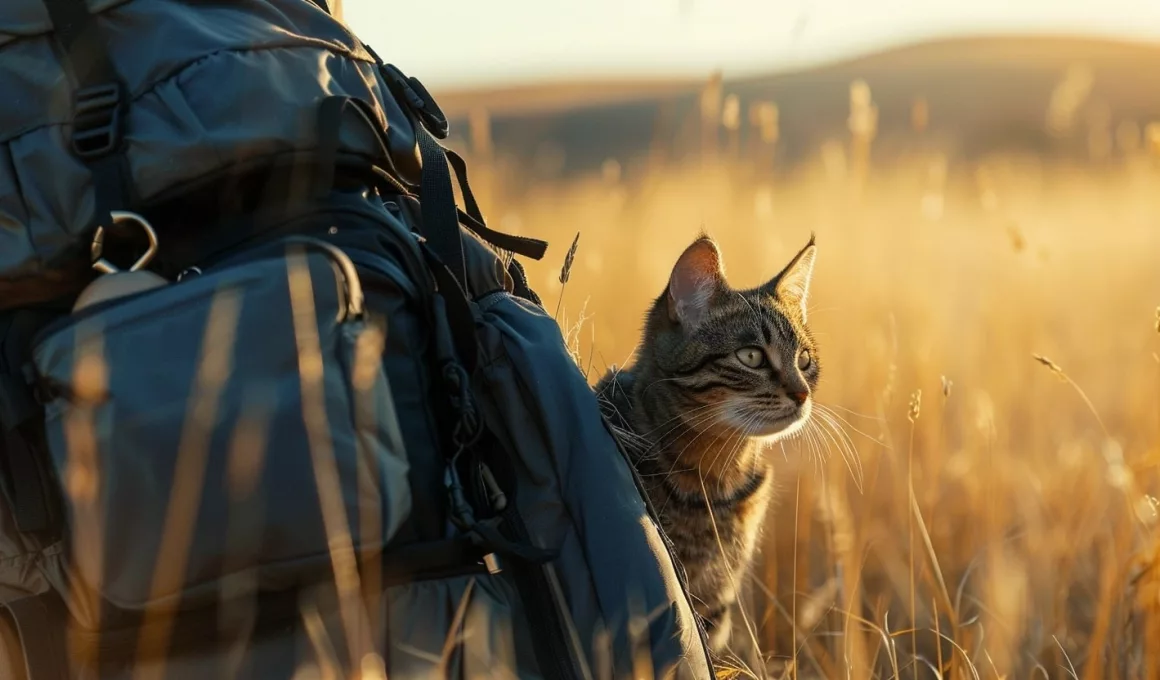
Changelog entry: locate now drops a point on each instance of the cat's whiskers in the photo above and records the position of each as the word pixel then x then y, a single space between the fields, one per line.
pixel 699 469
pixel 630 440
pixel 680 454
pixel 853 465
pixel 784 453
pixel 840 426
pixel 817 446
pixel 845 445
pixel 798 430
pixel 744 439
pixel 700 415
pixel 707 414
pixel 685 417
pixel 656 382
pixel 852 412
pixel 813 453
pixel 848 424
pixel 824 434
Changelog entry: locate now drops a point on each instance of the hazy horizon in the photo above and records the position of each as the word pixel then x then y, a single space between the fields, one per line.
pixel 519 41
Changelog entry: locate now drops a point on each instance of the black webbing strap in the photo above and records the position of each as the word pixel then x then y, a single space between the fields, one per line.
pixel 331 114
pixel 443 247
pixel 441 216
pixel 98 104
pixel 41 623
pixel 452 304
pixel 430 123
pixel 520 245
pixel 437 201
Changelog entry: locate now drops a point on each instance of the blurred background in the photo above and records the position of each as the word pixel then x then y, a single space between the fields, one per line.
pixel 984 181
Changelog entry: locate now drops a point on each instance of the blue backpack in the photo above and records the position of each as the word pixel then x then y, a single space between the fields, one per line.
pixel 268 398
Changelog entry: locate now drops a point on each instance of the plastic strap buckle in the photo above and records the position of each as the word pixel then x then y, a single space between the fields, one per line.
pixel 418 99
pixel 97 120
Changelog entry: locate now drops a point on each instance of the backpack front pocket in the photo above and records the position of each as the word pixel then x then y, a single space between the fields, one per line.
pixel 232 431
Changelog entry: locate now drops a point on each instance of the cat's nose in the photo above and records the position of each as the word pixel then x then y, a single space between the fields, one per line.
pixel 799 397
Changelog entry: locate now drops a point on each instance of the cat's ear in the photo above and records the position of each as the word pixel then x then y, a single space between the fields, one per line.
pixel 792 285
pixel 697 275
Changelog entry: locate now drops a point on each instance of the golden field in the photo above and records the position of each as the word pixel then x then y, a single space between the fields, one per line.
pixel 970 510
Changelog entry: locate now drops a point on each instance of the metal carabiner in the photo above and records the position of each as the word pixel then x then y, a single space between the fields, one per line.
pixel 119 216
pixel 115 283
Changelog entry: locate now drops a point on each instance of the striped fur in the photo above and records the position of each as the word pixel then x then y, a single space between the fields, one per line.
pixel 719 374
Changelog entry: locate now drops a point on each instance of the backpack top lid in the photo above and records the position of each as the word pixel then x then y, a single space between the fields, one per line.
pixel 147 100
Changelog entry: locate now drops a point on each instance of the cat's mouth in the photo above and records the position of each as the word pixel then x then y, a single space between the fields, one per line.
pixel 768 422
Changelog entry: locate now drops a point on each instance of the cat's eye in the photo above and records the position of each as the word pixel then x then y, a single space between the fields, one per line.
pixel 804 359
pixel 752 357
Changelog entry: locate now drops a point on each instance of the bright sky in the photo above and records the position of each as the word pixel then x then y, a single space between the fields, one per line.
pixel 454 43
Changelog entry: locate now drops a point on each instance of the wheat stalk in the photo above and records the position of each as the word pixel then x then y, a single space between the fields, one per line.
pixel 566 272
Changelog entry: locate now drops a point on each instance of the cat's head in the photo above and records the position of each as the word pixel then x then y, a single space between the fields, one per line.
pixel 738 359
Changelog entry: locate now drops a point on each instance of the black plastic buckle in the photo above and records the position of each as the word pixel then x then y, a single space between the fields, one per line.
pixel 97 120
pixel 418 99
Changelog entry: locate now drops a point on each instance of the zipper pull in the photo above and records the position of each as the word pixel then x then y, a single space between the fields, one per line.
pixel 495 495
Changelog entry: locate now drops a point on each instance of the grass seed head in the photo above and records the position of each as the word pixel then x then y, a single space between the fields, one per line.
pixel 569 259
pixel 915 405
pixel 1051 366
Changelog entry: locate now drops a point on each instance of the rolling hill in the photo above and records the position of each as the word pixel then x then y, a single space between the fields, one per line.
pixel 981 95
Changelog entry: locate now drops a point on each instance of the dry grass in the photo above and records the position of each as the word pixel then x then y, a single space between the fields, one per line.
pixel 1006 525
pixel 991 343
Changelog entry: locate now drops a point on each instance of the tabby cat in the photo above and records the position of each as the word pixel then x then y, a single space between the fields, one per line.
pixel 719 374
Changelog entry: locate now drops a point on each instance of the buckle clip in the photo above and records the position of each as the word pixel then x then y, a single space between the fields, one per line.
pixel 97 120
pixel 418 99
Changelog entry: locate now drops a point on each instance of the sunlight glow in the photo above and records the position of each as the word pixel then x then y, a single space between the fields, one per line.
pixel 467 43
